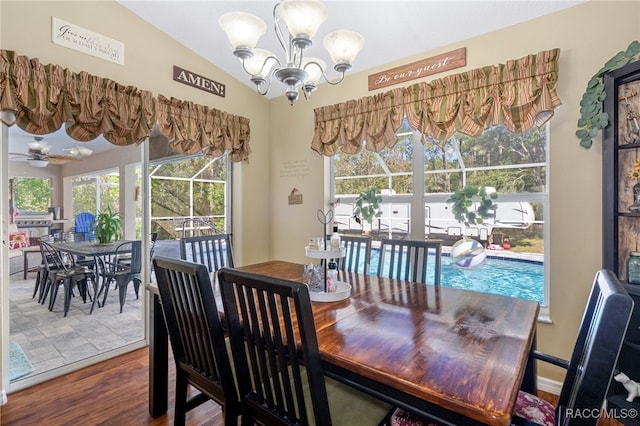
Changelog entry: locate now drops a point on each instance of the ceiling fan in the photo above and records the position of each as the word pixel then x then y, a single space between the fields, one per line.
pixel 38 153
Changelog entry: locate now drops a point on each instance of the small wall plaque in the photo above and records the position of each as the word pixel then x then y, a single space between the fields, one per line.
pixel 295 197
pixel 433 65
pixel 75 37
pixel 199 82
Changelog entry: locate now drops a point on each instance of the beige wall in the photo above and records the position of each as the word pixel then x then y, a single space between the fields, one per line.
pixel 149 59
pixel 266 227
pixel 588 35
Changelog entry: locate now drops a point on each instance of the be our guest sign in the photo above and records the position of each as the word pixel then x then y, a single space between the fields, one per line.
pixel 199 82
pixel 433 65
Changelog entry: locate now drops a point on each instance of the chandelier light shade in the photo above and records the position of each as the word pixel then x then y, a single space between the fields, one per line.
pixel 243 30
pixel 303 18
pixel 343 46
pixel 296 22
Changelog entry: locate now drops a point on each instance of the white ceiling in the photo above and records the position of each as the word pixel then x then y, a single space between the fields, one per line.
pixel 392 30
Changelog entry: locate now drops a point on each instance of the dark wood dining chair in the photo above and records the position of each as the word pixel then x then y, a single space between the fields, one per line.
pixel 277 360
pixel 590 369
pixel 213 251
pixel 197 338
pixel 417 261
pixel 122 267
pixel 357 256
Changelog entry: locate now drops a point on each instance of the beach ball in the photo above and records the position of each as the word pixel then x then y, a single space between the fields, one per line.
pixel 468 253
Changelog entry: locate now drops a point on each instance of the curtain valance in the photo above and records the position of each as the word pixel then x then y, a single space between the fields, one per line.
pixel 41 98
pixel 518 94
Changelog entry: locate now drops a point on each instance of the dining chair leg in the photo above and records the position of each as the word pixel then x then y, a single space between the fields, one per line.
pixel 45 287
pixel 37 284
pixel 122 282
pixel 96 294
pixel 82 288
pixel 68 293
pixel 179 416
pixel 53 288
pixel 105 288
pixel 136 287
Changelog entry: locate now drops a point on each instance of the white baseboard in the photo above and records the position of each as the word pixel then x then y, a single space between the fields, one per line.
pixel 548 385
pixel 3 397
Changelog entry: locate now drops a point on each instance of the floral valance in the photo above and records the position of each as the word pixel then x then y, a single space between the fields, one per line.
pixel 519 94
pixel 41 98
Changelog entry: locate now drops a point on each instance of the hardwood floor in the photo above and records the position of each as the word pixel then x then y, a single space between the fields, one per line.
pixel 113 392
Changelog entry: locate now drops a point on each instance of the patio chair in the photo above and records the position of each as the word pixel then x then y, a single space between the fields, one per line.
pixel 276 357
pixel 82 224
pixel 590 370
pixel 213 251
pixel 357 253
pixel 65 274
pixel 197 339
pixel 42 274
pixel 410 260
pixel 121 267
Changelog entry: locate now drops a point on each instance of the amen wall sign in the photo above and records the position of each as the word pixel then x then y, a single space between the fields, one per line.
pixel 199 82
pixel 440 63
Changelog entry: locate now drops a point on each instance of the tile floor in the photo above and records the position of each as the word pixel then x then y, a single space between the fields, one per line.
pixel 51 340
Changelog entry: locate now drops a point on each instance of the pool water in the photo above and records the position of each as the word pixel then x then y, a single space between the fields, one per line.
pixel 515 278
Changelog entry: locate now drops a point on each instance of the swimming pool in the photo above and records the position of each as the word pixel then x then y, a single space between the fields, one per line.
pixel 515 278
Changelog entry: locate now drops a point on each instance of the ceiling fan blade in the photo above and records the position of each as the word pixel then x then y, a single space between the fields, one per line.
pixel 61 158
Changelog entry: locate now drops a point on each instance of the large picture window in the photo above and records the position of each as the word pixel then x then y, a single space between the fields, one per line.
pixel 416 178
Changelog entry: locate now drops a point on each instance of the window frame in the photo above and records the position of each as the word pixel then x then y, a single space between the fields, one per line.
pixel 418 199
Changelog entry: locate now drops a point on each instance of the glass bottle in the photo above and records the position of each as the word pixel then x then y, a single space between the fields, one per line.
pixel 332 276
pixel 633 267
pixel 335 241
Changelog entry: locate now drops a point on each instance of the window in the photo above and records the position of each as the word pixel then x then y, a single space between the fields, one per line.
pixel 193 187
pixel 31 194
pixel 96 193
pixel 415 180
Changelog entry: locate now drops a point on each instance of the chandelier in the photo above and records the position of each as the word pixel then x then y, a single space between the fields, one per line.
pixel 301 19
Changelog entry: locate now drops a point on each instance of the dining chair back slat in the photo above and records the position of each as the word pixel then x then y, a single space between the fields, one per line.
pixel 213 251
pixel 357 254
pixel 197 338
pixel 417 261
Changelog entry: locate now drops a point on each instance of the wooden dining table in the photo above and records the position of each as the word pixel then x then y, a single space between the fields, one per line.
pixel 433 350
